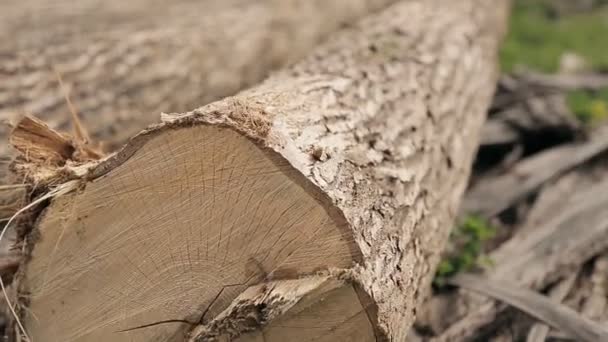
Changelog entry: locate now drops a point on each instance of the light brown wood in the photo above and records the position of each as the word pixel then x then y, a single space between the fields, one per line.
pixel 348 166
pixel 12 197
pixel 204 203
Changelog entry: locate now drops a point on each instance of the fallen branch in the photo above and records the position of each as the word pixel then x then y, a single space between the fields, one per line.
pixel 539 331
pixel 492 195
pixel 565 81
pixel 545 251
pixel 558 316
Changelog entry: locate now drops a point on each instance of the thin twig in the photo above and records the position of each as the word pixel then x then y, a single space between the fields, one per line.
pixel 12 186
pixel 10 306
pixel 79 132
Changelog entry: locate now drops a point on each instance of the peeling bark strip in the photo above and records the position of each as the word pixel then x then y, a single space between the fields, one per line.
pixel 312 206
pixel 127 62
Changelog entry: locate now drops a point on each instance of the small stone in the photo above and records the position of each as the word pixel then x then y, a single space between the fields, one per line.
pixel 572 63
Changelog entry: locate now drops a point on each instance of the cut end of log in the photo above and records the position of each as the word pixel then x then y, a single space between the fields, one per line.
pixel 179 231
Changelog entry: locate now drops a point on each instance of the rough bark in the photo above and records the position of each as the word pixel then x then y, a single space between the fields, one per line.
pixel 126 62
pixel 312 206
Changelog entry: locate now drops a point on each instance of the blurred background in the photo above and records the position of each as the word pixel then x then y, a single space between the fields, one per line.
pixel 536 211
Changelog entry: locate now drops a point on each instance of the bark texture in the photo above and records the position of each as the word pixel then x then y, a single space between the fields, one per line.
pixel 126 62
pixel 378 125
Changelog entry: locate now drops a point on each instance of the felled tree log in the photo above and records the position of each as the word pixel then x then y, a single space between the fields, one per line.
pixel 311 207
pixel 126 62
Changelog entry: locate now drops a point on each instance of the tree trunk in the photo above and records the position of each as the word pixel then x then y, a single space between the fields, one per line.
pixel 311 207
pixel 125 62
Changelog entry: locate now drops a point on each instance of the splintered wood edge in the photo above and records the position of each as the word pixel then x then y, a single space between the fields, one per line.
pixel 57 267
pixel 35 140
pixel 319 308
